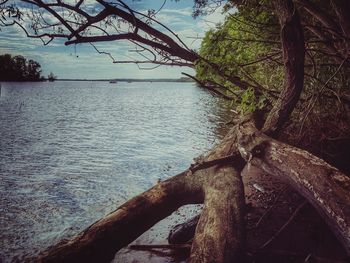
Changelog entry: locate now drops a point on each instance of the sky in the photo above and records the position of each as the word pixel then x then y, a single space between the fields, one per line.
pixel 83 62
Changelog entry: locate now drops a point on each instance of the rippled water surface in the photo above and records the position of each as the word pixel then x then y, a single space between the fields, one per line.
pixel 71 152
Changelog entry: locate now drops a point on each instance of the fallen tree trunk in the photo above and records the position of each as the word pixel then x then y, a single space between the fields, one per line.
pixel 100 241
pixel 324 186
pixel 219 187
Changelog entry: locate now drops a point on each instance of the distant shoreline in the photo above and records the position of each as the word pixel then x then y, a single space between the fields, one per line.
pixel 131 80
pixel 117 80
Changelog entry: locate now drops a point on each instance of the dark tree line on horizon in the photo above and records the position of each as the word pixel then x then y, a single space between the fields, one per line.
pixel 18 68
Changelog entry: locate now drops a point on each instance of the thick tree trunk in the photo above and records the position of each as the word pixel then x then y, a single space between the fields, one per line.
pixel 221 230
pixel 292 39
pixel 324 186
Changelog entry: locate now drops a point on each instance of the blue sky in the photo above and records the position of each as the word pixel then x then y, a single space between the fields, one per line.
pixel 82 61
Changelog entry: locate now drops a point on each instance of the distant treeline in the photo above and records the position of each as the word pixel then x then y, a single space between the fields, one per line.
pixel 18 68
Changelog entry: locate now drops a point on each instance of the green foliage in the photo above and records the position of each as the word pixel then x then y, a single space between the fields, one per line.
pixel 234 46
pixel 249 102
pixel 18 68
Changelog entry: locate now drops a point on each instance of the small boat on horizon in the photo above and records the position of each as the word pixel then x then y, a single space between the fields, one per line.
pixel 112 81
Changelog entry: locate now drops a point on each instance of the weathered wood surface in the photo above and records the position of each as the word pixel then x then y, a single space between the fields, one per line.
pixel 324 186
pixel 220 233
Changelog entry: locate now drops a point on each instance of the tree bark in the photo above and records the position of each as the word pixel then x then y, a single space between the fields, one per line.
pixel 221 230
pixel 292 38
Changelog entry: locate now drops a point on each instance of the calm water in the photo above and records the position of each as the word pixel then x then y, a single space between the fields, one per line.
pixel 71 152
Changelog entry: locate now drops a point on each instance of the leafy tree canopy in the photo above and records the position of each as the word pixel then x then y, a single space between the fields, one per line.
pixel 248 45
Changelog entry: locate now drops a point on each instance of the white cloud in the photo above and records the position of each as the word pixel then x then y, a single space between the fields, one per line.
pixel 172 20
pixel 63 61
pixel 183 11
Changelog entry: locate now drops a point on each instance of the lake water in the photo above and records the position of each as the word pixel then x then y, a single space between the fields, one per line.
pixel 71 152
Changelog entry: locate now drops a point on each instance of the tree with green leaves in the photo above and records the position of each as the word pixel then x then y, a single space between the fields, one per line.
pixel 287 59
